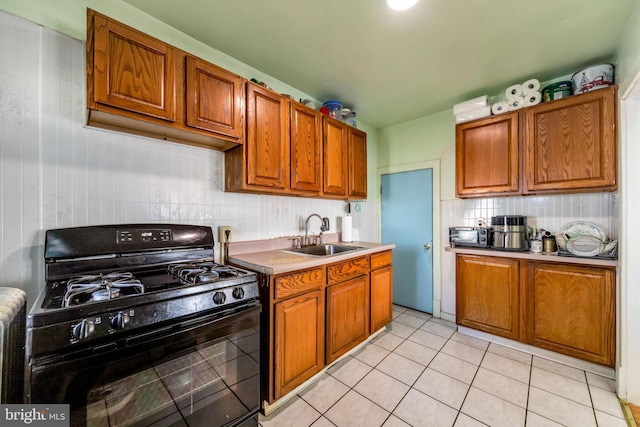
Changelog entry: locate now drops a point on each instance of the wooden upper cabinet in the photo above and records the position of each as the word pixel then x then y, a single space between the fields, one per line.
pixel 570 144
pixel 306 149
pixel 138 84
pixel 357 164
pixel 571 310
pixel 214 98
pixel 335 154
pixel 267 146
pixel 132 70
pixel 487 156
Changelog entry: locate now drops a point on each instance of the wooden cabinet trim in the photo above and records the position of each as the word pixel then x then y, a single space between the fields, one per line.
pixel 293 284
pixel 381 259
pixel 347 269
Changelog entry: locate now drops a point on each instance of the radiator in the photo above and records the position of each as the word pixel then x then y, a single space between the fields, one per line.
pixel 13 317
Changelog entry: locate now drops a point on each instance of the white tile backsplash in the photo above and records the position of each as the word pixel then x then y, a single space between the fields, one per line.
pixel 57 172
pixel 550 212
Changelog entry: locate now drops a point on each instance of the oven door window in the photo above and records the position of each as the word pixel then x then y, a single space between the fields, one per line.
pixel 203 375
pixel 467 236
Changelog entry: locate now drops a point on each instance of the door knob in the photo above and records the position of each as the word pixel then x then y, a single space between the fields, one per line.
pixel 427 246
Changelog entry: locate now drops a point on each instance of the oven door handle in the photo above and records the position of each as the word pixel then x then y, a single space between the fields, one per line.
pixel 148 335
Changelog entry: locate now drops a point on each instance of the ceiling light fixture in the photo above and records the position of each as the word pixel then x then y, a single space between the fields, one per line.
pixel 400 4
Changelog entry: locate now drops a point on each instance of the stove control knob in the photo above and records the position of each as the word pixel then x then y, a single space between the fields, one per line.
pixel 119 321
pixel 238 293
pixel 83 329
pixel 219 298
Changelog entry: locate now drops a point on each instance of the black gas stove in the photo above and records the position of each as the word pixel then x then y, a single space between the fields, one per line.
pixel 104 280
pixel 138 293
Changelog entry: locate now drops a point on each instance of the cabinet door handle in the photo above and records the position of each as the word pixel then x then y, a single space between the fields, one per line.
pixel 427 246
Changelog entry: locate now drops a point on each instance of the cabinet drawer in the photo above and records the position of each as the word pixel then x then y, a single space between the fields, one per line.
pixel 347 270
pixel 294 284
pixel 380 259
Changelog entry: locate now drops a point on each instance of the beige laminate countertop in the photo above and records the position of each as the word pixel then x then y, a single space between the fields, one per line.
pixel 279 261
pixel 534 256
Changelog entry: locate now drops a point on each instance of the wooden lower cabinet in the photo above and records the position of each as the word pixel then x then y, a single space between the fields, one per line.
pixel 381 293
pixel 571 310
pixel 487 294
pixel 299 340
pixel 311 317
pixel 566 308
pixel 347 316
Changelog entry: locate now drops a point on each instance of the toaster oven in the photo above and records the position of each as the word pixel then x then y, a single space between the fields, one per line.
pixel 477 237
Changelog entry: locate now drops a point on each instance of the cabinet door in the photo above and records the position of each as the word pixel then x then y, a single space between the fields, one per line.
pixel 299 339
pixel 357 164
pixel 381 297
pixel 267 145
pixel 306 149
pixel 570 144
pixel 335 157
pixel 571 310
pixel 347 316
pixel 487 159
pixel 214 98
pixel 132 71
pixel 487 294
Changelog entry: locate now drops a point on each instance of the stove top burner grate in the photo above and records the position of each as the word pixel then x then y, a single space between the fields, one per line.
pixel 100 287
pixel 201 272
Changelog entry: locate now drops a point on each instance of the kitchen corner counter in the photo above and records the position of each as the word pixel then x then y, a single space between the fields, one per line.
pixel 534 256
pixel 277 261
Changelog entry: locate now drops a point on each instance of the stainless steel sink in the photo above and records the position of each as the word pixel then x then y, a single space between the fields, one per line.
pixel 323 250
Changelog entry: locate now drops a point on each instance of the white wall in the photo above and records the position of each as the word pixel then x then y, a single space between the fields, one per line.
pixel 56 172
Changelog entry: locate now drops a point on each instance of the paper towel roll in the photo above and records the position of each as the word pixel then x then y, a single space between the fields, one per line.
pixel 514 91
pixel 469 105
pixel 346 229
pixel 533 98
pixel 516 103
pixel 473 114
pixel 500 107
pixel 530 86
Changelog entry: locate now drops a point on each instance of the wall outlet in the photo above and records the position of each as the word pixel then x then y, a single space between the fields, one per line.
pixel 224 233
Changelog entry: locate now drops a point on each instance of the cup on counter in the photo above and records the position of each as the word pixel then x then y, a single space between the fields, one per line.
pixel 536 246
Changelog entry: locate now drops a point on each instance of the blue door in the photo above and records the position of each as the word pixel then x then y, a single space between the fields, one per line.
pixel 407 221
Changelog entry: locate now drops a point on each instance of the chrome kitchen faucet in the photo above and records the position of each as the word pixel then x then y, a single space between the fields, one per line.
pixel 324 227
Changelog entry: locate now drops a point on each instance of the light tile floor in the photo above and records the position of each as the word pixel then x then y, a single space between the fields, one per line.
pixel 421 372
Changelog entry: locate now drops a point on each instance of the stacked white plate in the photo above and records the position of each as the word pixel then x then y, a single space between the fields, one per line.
pixel 582 238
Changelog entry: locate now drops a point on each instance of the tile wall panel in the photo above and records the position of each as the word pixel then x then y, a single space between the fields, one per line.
pixel 56 172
